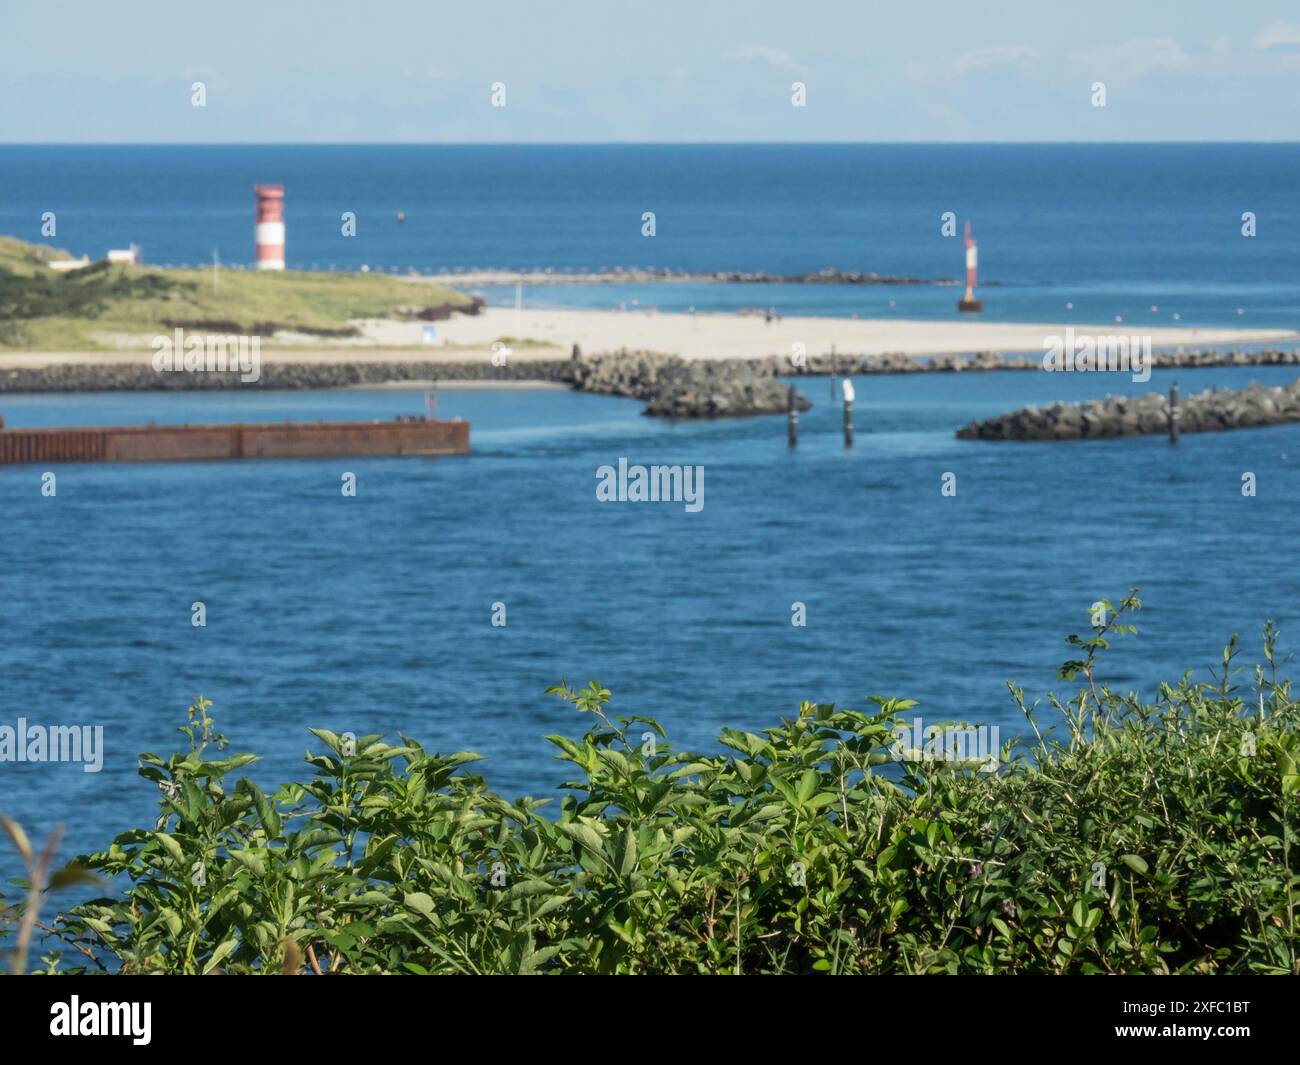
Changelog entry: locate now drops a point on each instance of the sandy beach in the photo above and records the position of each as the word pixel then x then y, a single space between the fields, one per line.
pixel 548 333
pixel 703 336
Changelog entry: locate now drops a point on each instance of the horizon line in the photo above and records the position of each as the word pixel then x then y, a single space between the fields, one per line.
pixel 627 144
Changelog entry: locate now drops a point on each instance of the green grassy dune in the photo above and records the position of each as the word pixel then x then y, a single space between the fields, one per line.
pixel 97 307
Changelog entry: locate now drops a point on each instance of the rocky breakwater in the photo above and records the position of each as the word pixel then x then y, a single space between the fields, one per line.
pixel 673 387
pixel 986 361
pixel 338 373
pixel 1206 412
pixel 827 276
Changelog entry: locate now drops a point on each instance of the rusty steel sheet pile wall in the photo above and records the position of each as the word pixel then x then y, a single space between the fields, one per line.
pixel 183 443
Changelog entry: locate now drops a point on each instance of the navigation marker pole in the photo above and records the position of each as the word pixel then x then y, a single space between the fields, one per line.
pixel 968 302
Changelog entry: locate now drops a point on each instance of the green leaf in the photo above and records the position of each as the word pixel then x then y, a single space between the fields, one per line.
pixel 171 846
pixel 551 904
pixel 534 959
pixel 807 785
pixel 251 860
pixel 219 955
pixel 1135 863
pixel 587 836
pixel 627 856
pixel 266 812
pixel 526 888
pixel 418 901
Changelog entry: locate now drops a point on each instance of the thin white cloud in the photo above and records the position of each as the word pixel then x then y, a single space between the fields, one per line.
pixel 998 56
pixel 975 61
pixel 1135 58
pixel 1279 36
pixel 760 53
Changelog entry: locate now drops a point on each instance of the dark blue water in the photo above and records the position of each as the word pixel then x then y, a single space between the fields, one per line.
pixel 1113 229
pixel 372 614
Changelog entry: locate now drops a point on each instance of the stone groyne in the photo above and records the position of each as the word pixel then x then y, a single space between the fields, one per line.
pixel 1115 416
pixel 669 385
pixel 662 275
pixel 673 387
pixel 988 361
pixel 334 373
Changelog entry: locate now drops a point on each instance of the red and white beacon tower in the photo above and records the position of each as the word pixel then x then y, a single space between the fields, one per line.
pixel 968 302
pixel 268 234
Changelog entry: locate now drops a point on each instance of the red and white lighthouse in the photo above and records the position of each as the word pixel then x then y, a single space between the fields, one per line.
pixel 968 302
pixel 268 233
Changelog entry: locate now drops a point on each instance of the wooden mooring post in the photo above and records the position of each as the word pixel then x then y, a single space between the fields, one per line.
pixel 794 416
pixel 1173 413
pixel 848 412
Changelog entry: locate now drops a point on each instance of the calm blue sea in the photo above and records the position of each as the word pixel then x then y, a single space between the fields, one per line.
pixel 1112 229
pixel 373 613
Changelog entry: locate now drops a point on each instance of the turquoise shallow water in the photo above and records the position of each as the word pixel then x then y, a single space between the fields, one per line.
pixel 372 614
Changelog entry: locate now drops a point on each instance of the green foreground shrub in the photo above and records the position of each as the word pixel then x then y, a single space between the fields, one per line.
pixel 1130 839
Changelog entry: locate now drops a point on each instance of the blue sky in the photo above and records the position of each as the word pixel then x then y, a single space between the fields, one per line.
pixel 422 71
